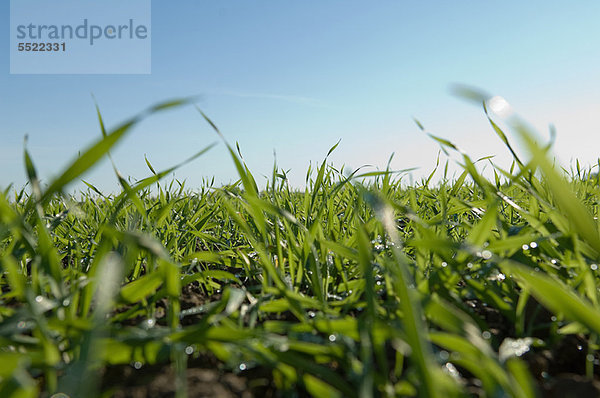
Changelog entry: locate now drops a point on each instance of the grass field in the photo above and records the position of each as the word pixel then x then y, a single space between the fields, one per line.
pixel 357 286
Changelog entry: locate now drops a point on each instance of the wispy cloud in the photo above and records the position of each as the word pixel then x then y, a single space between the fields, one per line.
pixel 275 97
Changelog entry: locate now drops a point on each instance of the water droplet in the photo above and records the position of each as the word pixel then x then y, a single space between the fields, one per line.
pixel 444 264
pixel 332 338
pixel 594 267
pixel 553 318
pixel 189 350
pixel 38 299
pixel 311 314
pixel 444 355
pixel 378 283
pixel 579 347
pixel 21 325
pixel 66 302
pixel 514 347
pixel 486 335
pixel 150 322
pixel 243 366
pixel 553 261
pixel 533 245
pixel 451 369
pixel 590 357
pixel 137 365
pixel 525 247
pixel 486 254
pixel 469 265
pixel 499 106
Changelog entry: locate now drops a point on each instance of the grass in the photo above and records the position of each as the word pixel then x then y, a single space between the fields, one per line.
pixel 357 286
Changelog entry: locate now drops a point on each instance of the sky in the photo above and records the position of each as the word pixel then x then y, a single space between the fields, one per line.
pixel 288 79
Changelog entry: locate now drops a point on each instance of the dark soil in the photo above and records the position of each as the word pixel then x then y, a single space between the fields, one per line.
pixel 205 378
pixel 559 368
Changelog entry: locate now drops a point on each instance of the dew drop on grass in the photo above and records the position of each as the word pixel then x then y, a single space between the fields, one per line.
pixel 486 254
pixel 137 365
pixel 189 350
pixel 553 261
pixel 451 370
pixel 38 299
pixel 332 338
pixel 66 302
pixel 486 335
pixel 589 357
pixel 594 267
pixel 311 314
pixel 21 325
pixel 525 247
pixel 444 264
pixel 579 347
pixel 514 347
pixel 533 245
pixel 243 366
pixel 499 106
pixel 150 323
pixel 444 355
pixel 553 318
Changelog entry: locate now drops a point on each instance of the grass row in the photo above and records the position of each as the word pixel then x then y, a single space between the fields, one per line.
pixel 355 286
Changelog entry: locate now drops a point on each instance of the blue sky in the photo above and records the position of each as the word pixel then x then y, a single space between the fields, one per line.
pixel 294 77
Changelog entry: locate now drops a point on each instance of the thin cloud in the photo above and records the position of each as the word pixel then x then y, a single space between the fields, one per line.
pixel 277 97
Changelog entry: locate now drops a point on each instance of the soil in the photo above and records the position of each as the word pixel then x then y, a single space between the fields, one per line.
pixel 559 368
pixel 205 378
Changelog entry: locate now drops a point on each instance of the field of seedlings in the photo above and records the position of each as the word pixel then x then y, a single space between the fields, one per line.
pixel 358 285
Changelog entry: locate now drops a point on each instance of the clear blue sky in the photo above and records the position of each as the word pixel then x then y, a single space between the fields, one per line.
pixel 296 76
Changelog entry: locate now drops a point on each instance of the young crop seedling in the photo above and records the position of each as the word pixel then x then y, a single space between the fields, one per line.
pixel 357 285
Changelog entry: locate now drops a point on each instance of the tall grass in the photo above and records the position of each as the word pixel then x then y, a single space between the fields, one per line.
pixel 354 286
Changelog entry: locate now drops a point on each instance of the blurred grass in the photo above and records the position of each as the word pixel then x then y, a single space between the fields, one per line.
pixel 355 286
